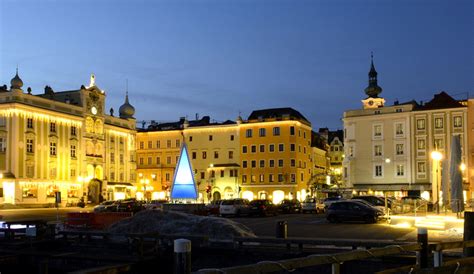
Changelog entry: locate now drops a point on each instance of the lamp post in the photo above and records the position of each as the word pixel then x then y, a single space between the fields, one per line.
pixel 436 156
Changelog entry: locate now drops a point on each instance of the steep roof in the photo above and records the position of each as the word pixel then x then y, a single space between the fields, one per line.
pixel 440 101
pixel 277 113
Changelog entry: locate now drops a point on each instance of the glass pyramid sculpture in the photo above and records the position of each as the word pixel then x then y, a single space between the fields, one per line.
pixel 183 186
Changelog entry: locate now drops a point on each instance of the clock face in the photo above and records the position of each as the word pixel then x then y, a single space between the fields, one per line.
pixel 94 110
pixel 371 102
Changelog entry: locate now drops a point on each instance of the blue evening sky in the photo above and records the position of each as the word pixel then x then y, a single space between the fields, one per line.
pixel 220 57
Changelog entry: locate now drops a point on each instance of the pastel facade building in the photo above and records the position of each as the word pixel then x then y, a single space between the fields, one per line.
pixel 62 142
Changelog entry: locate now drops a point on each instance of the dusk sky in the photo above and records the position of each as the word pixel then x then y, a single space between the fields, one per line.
pixel 220 58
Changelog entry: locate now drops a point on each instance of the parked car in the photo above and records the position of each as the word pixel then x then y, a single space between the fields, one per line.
pixel 312 205
pixel 263 208
pixel 330 200
pixel 235 207
pixel 351 210
pixel 289 206
pixel 102 207
pixel 375 200
pixel 155 204
pixel 130 206
pixel 213 207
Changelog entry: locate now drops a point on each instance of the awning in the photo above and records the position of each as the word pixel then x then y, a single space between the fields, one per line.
pixel 119 184
pixel 392 187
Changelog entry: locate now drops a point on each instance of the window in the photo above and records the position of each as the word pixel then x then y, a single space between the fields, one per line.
pixel 292 130
pixel 150 144
pixel 280 162
pixel 231 155
pixel 3 144
pixel 292 147
pixel 30 171
pixel 438 123
pixel 121 140
pixel 177 159
pixel 293 162
pixel 178 143
pixel 194 155
pixel 52 148
pixel 232 137
pixel 190 138
pixel 399 129
pixel 141 145
pixel 262 163
pixel 244 149
pixel 73 151
pixel 262 178
pixel 29 123
pixel 304 134
pixel 204 155
pixel 30 190
pixel 262 132
pixel 281 147
pixel 140 161
pixel 377 150
pixel 276 131
pixel 158 144
pixel 271 163
pixel 203 175
pixel 271 148
pixel 253 178
pixel 158 160
pixel 377 131
pixel 222 173
pixel 421 144
pixel 112 139
pixel 73 131
pixel 149 161
pixel 216 155
pixel 168 160
pixel 399 149
pixel 378 171
pixel 400 170
pixel 293 178
pixel 248 133
pixel 253 149
pixel 457 121
pixel 421 167
pixel 420 124
pixel 52 127
pixel 29 145
pixel 253 164
pixel 168 143
pixel 210 137
pixel 399 110
pixel 112 157
pixel 262 148
pixel 244 164
pixel 438 143
pixel 271 178
pixel 281 178
pixel 244 178
pixel 167 177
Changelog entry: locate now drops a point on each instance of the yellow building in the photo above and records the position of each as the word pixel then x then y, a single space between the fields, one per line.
pixel 275 155
pixel 62 142
pixel 388 148
pixel 212 148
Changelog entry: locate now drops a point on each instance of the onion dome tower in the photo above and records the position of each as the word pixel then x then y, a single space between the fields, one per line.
pixel 16 82
pixel 373 90
pixel 126 110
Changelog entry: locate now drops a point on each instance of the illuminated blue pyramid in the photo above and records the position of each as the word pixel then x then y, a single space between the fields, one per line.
pixel 183 182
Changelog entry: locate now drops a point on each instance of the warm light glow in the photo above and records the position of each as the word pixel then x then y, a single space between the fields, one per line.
pixel 403 225
pixel 436 155
pixel 425 195
pixel 247 195
pixel 119 195
pixel 328 180
pixel 278 196
pixel 80 179
pixel 462 167
pixel 39 116
pixel 388 160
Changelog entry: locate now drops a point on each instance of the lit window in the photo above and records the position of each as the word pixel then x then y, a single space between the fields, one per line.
pixel 73 131
pixel 399 129
pixel 29 123
pixel 52 149
pixel 52 127
pixel 421 144
pixel 438 123
pixel 400 170
pixel 399 149
pixel 421 167
pixel 420 124
pixel 457 121
pixel 73 151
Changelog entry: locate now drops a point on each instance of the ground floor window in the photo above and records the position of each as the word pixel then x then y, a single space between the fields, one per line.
pixel 51 190
pixel 30 190
pixel 73 191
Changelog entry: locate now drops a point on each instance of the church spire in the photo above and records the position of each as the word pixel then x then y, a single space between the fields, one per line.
pixel 373 90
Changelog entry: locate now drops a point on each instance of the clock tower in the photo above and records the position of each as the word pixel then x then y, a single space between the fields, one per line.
pixel 373 90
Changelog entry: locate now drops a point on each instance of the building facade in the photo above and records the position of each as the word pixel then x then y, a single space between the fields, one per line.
pixel 61 142
pixel 388 148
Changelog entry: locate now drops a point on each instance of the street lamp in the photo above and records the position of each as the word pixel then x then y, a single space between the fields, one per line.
pixel 436 156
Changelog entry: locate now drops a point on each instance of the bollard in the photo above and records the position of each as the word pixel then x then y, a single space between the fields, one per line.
pixel 281 230
pixel 182 256
pixel 468 232
pixel 422 255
